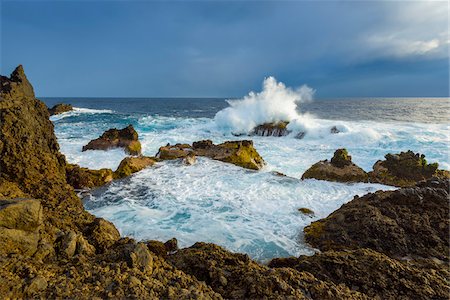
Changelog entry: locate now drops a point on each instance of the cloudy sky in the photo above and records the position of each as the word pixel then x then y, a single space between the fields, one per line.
pixel 226 48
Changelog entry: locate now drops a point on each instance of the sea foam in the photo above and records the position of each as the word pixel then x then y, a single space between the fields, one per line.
pixel 274 103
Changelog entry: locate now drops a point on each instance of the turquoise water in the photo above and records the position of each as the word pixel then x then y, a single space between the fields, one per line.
pixel 242 210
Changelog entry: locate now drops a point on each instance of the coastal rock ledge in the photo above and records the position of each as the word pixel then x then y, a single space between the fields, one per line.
pixel 60 108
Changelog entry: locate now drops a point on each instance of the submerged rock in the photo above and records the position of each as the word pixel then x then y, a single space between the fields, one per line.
pixel 60 108
pixel 373 274
pixel 239 153
pixel 410 222
pixel 126 138
pixel 84 178
pixel 306 211
pixel 271 129
pixel 340 169
pixel 404 169
pixel 130 165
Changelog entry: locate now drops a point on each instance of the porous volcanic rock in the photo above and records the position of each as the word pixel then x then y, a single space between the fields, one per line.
pixel 130 165
pixel 235 276
pixel 404 169
pixel 373 274
pixel 409 222
pixel 60 108
pixel 20 220
pixel 271 129
pixel 126 138
pixel 340 169
pixel 239 153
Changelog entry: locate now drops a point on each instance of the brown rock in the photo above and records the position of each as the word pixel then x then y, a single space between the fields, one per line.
pixel 410 222
pixel 84 178
pixel 126 138
pixel 373 274
pixel 102 234
pixel 404 170
pixel 239 153
pixel 235 276
pixel 60 108
pixel 271 129
pixel 340 169
pixel 130 165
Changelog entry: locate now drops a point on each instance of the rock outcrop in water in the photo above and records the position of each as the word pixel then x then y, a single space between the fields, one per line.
pixel 126 138
pixel 239 153
pixel 340 169
pixel 271 129
pixel 60 108
pixel 84 178
pixel 410 222
pixel 404 169
pixel 131 165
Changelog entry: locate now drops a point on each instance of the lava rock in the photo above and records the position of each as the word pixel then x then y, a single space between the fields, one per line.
pixel 126 138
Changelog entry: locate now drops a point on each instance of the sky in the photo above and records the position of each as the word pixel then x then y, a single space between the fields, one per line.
pixel 226 48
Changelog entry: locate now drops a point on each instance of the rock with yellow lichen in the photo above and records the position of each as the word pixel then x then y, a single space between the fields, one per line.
pixel 239 153
pixel 84 178
pixel 405 169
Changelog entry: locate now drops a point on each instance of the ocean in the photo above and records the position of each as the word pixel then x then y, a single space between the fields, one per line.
pixel 254 212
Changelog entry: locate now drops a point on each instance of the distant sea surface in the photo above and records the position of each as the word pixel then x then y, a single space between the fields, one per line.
pixel 423 110
pixel 242 210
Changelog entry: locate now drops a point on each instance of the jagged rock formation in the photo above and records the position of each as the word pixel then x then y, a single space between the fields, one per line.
pixel 410 222
pixel 373 274
pixel 404 169
pixel 240 153
pixel 51 247
pixel 271 129
pixel 126 138
pixel 340 169
pixel 60 108
pixel 235 276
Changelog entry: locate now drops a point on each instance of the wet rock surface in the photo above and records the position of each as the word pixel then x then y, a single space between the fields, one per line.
pixel 405 169
pixel 410 222
pixel 60 108
pixel 131 165
pixel 126 138
pixel 239 153
pixel 271 129
pixel 340 169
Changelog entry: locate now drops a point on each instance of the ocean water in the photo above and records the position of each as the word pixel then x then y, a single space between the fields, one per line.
pixel 255 212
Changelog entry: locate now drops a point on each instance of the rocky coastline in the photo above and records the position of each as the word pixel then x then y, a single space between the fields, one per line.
pixel 385 245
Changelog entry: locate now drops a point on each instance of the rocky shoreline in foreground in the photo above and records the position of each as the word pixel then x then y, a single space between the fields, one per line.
pixel 385 245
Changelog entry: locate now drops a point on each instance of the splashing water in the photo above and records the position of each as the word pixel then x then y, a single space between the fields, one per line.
pixel 274 103
pixel 242 210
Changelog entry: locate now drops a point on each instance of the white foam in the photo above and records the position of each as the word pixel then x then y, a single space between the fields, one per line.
pixel 245 211
pixel 252 212
pixel 274 103
pixel 78 111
